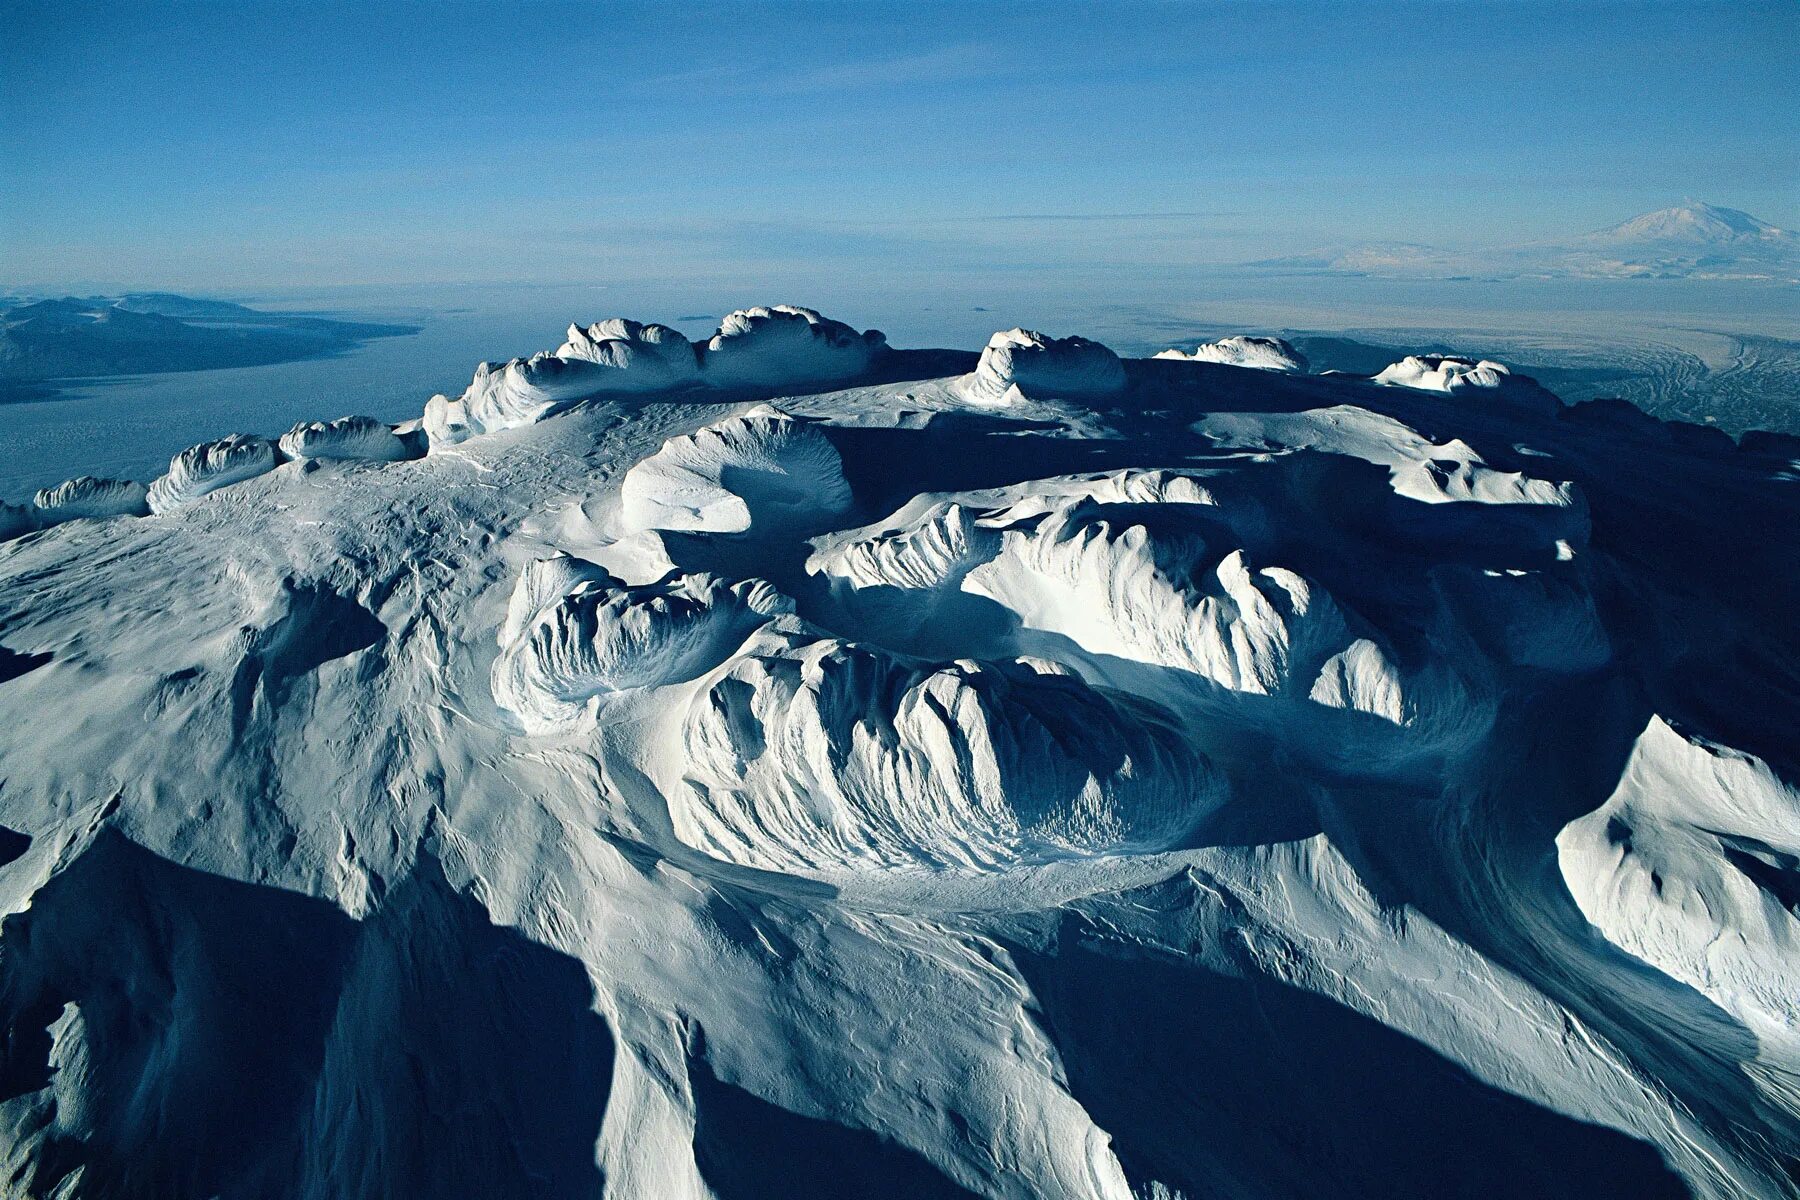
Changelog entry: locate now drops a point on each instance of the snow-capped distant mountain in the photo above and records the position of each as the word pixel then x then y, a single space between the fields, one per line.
pixel 1688 241
pixel 1691 223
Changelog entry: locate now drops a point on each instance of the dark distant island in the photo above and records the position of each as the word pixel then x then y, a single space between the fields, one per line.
pixel 143 332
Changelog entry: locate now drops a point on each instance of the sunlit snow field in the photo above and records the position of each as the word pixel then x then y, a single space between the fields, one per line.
pixel 1709 352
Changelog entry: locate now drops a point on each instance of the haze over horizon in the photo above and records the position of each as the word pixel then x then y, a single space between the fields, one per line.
pixel 250 147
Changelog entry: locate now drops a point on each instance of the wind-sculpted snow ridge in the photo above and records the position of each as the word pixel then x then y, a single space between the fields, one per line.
pixel 657 356
pixel 573 633
pixel 608 358
pixel 936 549
pixel 1693 866
pixel 1172 782
pixel 755 348
pixel 1077 559
pixel 347 437
pixel 519 392
pixel 206 468
pixel 1020 365
pixel 87 496
pixel 1114 588
pixel 1262 353
pixel 811 755
pixel 1108 584
pixel 787 346
pixel 761 468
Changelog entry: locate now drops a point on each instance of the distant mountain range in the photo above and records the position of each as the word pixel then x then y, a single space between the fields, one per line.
pixel 1689 241
pixel 146 332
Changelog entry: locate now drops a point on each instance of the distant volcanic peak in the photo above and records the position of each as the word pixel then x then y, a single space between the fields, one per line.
pixel 1692 222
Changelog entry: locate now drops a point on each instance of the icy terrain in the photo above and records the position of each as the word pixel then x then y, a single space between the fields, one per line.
pixel 783 765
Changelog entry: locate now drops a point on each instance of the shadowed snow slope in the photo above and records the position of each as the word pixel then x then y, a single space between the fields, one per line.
pixel 1168 781
pixel 786 346
pixel 1019 364
pixel 16 519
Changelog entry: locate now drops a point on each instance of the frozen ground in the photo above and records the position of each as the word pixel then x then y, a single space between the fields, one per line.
pixel 1042 776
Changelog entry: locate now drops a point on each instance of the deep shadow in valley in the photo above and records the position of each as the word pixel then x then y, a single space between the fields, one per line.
pixel 172 1033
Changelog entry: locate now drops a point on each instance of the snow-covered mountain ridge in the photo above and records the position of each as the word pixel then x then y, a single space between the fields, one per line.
pixel 787 765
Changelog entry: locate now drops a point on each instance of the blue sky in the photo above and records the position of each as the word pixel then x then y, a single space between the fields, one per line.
pixel 228 145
